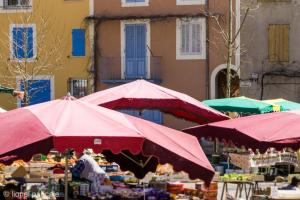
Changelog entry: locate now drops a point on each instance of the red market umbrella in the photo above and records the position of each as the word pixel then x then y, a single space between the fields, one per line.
pixel 263 131
pixel 72 124
pixel 142 94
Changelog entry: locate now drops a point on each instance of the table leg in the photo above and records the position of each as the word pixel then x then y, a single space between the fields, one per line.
pixel 223 189
pixel 249 191
pixel 241 190
pixel 246 192
pixel 237 190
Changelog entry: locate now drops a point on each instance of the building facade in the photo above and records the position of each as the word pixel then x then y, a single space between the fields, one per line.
pixel 174 43
pixel 270 66
pixel 45 49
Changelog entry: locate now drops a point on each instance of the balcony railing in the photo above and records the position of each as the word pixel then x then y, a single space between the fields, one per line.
pixel 16 4
pixel 110 70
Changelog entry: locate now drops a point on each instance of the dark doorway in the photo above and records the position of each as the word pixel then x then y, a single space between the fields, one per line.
pixel 221 84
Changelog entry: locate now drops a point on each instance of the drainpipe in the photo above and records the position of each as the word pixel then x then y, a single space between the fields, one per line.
pixel 207 79
pixel 96 56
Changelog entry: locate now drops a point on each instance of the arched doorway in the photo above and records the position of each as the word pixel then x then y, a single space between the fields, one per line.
pixel 217 74
pixel 221 81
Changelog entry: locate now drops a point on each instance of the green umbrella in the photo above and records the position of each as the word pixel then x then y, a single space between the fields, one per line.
pixel 284 104
pixel 242 105
pixel 6 90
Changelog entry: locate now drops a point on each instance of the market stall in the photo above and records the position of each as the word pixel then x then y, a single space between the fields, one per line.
pixel 279 130
pixel 41 178
pixel 72 124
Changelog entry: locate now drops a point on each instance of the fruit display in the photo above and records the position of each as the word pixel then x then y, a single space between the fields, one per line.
pixel 237 177
pixel 2 166
pixel 19 163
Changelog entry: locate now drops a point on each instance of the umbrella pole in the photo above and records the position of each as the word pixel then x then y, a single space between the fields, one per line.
pixel 66 175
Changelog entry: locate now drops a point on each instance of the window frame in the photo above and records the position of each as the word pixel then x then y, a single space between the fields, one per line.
pixel 134 4
pixel 190 2
pixel 200 56
pixel 70 85
pixel 123 46
pixel 38 77
pixel 34 45
pixel 16 9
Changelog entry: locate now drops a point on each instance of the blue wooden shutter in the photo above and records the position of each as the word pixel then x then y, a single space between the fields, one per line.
pixel 78 42
pixel 150 115
pixel 23 36
pixel 141 50
pixel 39 91
pixel 29 38
pixel 130 64
pixel 131 112
pixel 30 42
pixel 153 116
pixel 18 51
pixel 135 51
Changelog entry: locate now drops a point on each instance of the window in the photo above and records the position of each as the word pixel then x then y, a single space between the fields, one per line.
pixel 23 42
pixel 16 4
pixel 150 115
pixel 190 2
pixel 78 87
pixel 132 3
pixel 279 42
pixel 40 89
pixel 191 39
pixel 78 42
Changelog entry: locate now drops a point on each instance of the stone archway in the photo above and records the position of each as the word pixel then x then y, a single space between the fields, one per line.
pixel 215 75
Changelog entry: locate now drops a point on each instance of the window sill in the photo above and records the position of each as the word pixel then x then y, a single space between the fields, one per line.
pixel 15 9
pixel 188 3
pixel 20 60
pixel 76 56
pixel 141 4
pixel 190 57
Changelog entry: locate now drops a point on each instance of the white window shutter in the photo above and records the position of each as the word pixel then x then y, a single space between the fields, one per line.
pixel 196 41
pixel 185 38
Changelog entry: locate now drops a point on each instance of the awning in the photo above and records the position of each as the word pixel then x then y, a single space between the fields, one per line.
pixel 242 105
pixel 284 104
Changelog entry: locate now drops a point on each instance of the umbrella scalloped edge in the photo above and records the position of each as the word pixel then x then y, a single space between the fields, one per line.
pixel 261 146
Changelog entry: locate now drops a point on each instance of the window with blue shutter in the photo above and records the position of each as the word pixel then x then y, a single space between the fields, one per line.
pixel 78 42
pixel 39 91
pixel 23 43
pixel 135 51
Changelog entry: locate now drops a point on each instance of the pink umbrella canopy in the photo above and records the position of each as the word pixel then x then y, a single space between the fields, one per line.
pixel 263 131
pixel 142 94
pixel 72 124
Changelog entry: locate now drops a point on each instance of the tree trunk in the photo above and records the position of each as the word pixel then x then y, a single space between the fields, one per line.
pixel 230 52
pixel 26 96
